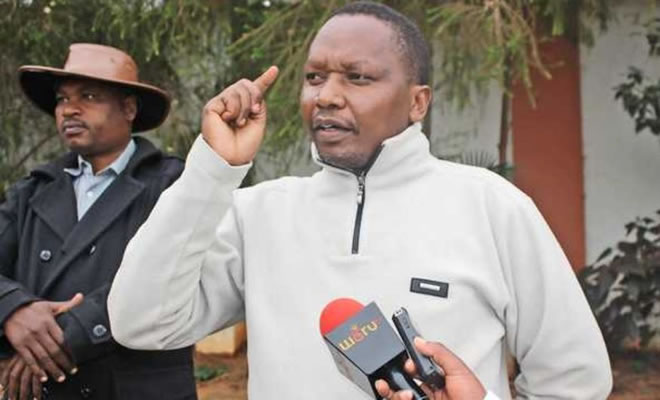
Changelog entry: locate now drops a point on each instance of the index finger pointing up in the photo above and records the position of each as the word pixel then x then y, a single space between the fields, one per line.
pixel 265 80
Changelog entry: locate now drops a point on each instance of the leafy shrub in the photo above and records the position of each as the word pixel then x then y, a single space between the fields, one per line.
pixel 623 286
pixel 206 373
pixel 641 100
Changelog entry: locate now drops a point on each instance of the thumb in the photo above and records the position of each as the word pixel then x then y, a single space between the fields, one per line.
pixel 59 307
pixel 265 80
pixel 442 356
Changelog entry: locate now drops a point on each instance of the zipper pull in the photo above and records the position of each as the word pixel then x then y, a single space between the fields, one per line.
pixel 360 193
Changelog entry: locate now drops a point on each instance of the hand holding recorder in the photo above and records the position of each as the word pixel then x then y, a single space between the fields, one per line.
pixel 368 352
pixel 460 382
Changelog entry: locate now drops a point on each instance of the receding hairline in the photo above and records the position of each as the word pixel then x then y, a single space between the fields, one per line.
pixel 411 44
pixel 394 34
pixel 398 48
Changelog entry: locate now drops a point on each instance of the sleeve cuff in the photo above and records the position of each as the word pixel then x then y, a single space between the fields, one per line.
pixel 203 157
pixel 12 301
pixel 85 339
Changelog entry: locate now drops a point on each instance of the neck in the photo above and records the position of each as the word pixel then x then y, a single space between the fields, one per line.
pixel 101 161
pixel 363 169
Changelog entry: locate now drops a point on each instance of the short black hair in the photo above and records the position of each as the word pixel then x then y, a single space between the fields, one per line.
pixel 416 55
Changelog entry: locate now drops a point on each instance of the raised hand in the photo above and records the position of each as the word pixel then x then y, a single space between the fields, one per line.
pixel 461 383
pixel 234 122
pixel 38 339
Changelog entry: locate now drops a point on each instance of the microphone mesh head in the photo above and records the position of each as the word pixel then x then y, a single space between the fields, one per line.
pixel 336 312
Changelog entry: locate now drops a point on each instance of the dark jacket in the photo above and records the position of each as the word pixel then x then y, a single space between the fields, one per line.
pixel 46 253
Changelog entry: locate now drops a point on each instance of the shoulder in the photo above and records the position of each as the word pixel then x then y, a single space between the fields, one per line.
pixel 44 173
pixel 152 162
pixel 277 185
pixel 18 194
pixel 478 181
pixel 503 206
pixel 24 187
pixel 266 191
pixel 170 165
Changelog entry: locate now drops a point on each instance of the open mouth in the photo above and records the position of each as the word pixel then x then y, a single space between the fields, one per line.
pixel 327 125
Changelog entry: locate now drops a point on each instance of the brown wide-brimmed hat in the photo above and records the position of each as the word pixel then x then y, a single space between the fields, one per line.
pixel 101 63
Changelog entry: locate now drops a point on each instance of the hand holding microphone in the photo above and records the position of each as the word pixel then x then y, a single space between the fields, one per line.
pixel 369 353
pixel 365 347
pixel 460 382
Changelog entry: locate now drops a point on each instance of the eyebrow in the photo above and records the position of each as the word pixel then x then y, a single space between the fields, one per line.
pixel 346 65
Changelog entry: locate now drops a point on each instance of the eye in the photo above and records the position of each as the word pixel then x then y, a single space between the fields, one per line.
pixel 59 99
pixel 313 78
pixel 358 78
pixel 89 96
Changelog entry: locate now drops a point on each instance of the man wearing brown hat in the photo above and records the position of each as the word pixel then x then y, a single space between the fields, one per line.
pixel 63 231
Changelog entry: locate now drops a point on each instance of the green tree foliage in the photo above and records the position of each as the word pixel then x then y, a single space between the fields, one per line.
pixel 498 40
pixel 481 41
pixel 179 45
pixel 193 48
pixel 478 41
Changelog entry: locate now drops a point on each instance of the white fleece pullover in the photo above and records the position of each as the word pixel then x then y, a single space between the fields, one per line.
pixel 275 254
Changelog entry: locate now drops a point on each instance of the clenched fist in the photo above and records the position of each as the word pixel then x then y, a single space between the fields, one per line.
pixel 234 122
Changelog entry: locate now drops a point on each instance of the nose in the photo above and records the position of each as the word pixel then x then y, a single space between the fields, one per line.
pixel 330 94
pixel 69 108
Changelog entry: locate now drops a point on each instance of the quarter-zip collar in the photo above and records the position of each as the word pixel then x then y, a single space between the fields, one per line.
pixel 397 155
pixel 397 159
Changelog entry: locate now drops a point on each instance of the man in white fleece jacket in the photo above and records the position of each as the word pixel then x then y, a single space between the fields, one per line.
pixel 382 218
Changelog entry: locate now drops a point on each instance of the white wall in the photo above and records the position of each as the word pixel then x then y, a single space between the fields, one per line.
pixel 475 129
pixel 622 170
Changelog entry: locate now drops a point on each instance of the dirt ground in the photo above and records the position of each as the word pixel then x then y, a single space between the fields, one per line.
pixel 636 377
pixel 228 386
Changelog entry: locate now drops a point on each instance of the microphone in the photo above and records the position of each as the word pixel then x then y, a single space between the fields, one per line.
pixel 364 346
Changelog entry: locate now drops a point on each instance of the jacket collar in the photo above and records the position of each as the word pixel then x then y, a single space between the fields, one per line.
pixel 116 167
pixel 145 151
pixel 405 151
pixel 56 206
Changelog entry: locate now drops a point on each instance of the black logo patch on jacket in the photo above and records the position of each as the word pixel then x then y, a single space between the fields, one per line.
pixel 427 286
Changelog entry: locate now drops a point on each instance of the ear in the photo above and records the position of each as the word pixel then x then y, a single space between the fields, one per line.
pixel 130 107
pixel 420 96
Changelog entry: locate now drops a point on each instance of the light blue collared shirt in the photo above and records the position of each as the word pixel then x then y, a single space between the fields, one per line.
pixel 89 187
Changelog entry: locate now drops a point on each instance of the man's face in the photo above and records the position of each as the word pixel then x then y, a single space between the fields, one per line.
pixel 356 91
pixel 93 119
